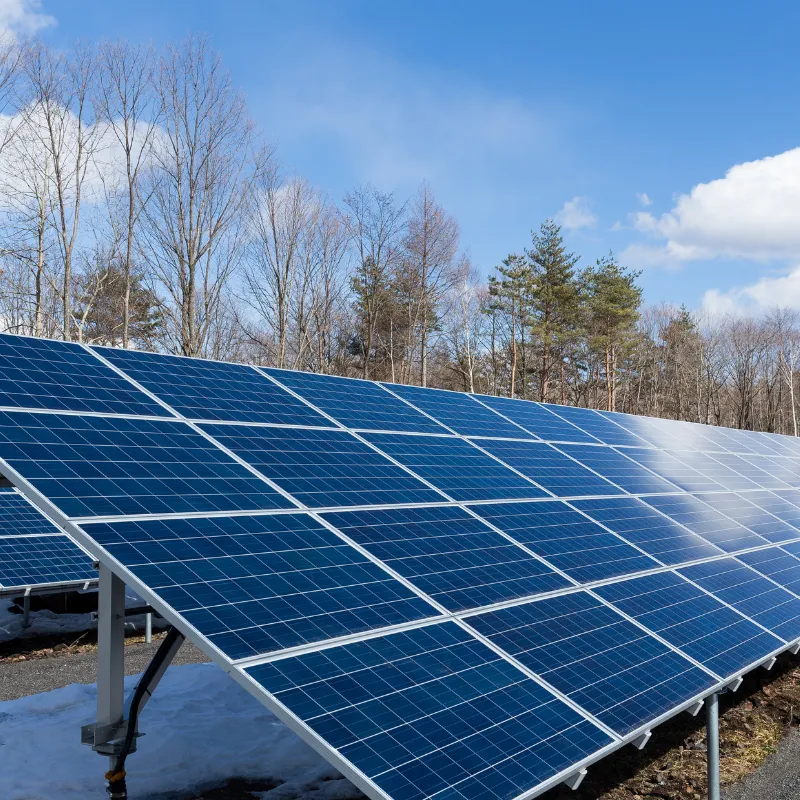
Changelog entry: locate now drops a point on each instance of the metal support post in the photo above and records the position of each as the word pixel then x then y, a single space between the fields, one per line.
pixel 148 628
pixel 26 609
pixel 110 650
pixel 712 745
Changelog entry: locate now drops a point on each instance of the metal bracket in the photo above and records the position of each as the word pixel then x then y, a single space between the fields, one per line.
pixel 26 609
pixel 640 741
pixel 575 780
pixel 769 663
pixel 694 710
pixel 734 685
pixel 107 740
pixel 795 648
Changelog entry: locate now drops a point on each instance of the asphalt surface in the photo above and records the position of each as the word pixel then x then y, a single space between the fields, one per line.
pixel 778 778
pixel 34 675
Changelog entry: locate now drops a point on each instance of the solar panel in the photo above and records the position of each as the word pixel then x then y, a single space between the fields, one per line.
pixel 356 404
pixel 459 469
pixel 601 427
pixel 779 504
pixel 615 670
pixel 426 647
pixel 213 390
pixel 38 560
pixel 449 555
pixel 104 466
pixel 644 527
pixel 44 374
pixel 258 584
pixel 618 468
pixel 721 474
pixel 775 563
pixel 706 630
pixel 703 520
pixel 738 508
pixel 550 468
pixel 783 470
pixel 745 466
pixel 433 712
pixel 568 540
pixel 669 466
pixel 459 412
pixel 536 419
pixel 747 591
pixel 322 468
pixel 33 551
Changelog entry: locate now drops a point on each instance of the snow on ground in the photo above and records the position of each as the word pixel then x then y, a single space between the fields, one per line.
pixel 201 729
pixel 46 623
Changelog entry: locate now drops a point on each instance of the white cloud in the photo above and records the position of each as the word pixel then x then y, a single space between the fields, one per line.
pixel 644 198
pixel 576 214
pixel 20 18
pixel 782 291
pixel 752 213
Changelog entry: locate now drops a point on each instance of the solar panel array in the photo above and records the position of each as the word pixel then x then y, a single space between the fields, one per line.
pixel 448 595
pixel 34 553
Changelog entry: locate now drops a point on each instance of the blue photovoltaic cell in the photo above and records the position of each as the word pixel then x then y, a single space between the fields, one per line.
pixel 646 428
pixel 567 539
pixel 433 712
pixel 738 508
pixel 257 584
pixel 18 517
pixel 617 468
pixel 693 621
pixel 213 390
pixel 779 504
pixel 770 443
pixel 599 426
pixel 551 469
pixel 357 404
pixel 776 563
pixel 718 472
pixel 744 465
pixel 536 419
pixel 703 520
pixel 448 554
pixel 784 470
pixel 456 467
pixel 669 466
pixel 459 412
pixel 597 658
pixel 45 374
pixel 323 468
pixel 652 532
pixel 750 593
pixel 34 560
pixel 103 466
pixel 33 550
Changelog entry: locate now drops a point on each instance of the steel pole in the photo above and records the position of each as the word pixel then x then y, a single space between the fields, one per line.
pixel 712 742
pixel 110 649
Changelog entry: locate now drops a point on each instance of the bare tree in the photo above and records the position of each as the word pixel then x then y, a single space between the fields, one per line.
pixel 199 188
pixel 284 212
pixel 126 104
pixel 60 112
pixel 431 245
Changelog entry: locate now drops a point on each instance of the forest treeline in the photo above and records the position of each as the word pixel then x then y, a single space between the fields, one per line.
pixel 142 207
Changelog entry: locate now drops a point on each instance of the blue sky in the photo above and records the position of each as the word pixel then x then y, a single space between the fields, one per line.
pixel 662 131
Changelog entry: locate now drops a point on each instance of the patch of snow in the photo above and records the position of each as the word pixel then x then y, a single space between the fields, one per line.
pixel 201 728
pixel 48 623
